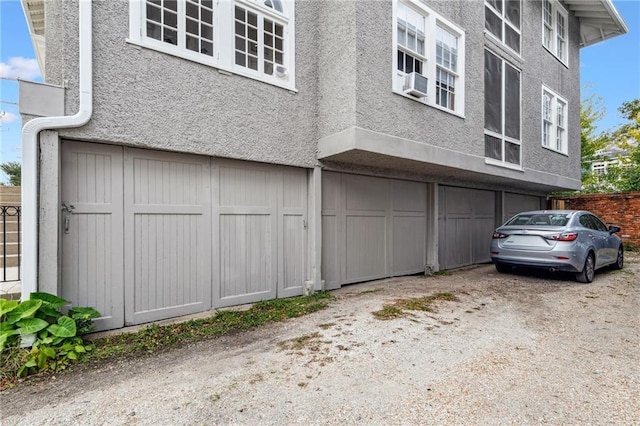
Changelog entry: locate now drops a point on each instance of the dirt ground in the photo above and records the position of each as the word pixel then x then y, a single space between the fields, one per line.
pixel 513 349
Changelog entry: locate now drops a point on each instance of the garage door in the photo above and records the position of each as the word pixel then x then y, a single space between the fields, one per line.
pixel 371 228
pixel 516 203
pixel 151 235
pixel 91 228
pixel 466 220
pixel 261 224
pixel 167 205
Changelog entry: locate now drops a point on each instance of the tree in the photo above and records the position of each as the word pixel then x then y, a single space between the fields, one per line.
pixel 623 174
pixel 590 113
pixel 627 137
pixel 631 111
pixel 13 170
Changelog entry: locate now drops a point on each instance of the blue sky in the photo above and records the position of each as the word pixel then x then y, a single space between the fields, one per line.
pixel 610 70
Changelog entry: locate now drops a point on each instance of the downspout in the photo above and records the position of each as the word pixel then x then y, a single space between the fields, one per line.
pixel 30 133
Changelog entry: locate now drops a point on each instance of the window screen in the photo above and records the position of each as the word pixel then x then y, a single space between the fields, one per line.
pixel 512 102
pixel 492 92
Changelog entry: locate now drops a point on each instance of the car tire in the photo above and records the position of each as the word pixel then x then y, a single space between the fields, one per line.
pixel 588 270
pixel 503 269
pixel 619 259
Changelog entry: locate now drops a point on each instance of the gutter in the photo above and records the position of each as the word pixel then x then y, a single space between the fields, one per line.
pixel 30 133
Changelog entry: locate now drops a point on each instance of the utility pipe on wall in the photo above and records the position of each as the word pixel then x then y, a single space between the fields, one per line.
pixel 30 133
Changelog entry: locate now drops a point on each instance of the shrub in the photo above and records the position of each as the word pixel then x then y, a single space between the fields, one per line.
pixel 52 334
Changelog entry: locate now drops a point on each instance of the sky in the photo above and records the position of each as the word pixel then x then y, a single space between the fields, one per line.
pixel 609 70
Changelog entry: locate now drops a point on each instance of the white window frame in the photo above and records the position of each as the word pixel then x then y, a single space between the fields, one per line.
pixel 553 44
pixel 505 23
pixel 502 136
pixel 223 58
pixel 556 123
pixel 432 22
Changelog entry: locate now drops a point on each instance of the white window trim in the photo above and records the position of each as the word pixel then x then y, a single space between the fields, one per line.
pixel 223 36
pixel 556 8
pixel 554 122
pixel 503 136
pixel 432 20
pixel 505 22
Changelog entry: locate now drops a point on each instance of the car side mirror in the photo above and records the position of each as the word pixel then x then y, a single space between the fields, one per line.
pixel 614 229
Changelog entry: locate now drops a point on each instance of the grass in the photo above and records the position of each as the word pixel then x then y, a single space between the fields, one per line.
pixel 156 338
pixel 400 307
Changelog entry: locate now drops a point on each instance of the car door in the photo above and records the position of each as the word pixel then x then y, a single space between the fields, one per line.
pixel 597 237
pixel 611 242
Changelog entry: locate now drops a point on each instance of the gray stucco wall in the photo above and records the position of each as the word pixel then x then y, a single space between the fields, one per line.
pixel 380 110
pixel 146 98
pixel 344 51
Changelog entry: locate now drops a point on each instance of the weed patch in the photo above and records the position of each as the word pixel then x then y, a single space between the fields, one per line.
pixel 400 307
pixel 372 290
pixel 302 342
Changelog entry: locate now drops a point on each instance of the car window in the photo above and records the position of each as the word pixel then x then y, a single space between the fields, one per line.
pixel 585 220
pixel 541 219
pixel 598 224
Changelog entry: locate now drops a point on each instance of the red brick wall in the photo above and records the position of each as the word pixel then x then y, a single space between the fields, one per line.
pixel 615 209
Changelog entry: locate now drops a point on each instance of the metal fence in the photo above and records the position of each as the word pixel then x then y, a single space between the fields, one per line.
pixel 11 242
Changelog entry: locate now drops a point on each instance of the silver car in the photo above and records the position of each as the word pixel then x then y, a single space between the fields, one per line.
pixel 557 240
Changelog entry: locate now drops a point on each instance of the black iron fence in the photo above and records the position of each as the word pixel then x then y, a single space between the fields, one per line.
pixel 11 241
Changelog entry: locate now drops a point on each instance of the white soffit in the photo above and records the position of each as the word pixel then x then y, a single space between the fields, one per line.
pixel 599 20
pixel 34 14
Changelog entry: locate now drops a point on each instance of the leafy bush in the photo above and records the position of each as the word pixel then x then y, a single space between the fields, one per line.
pixel 40 323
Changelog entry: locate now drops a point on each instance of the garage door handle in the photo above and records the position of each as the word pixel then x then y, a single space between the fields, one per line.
pixel 67 210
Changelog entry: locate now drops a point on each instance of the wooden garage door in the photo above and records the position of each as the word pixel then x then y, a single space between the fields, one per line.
pixel 91 230
pixel 516 203
pixel 142 239
pixel 167 235
pixel 261 227
pixel 466 220
pixel 371 228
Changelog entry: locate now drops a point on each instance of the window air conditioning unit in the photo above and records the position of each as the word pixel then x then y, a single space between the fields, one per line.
pixel 415 84
pixel 281 71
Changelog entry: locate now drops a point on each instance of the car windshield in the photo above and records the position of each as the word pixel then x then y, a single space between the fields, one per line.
pixel 538 219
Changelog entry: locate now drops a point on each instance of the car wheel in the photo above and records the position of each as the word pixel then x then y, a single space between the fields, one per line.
pixel 619 259
pixel 503 269
pixel 588 270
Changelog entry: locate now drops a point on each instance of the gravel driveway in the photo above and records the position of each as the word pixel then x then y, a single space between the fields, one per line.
pixel 513 349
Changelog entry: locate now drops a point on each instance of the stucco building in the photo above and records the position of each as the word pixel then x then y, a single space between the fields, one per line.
pixel 199 154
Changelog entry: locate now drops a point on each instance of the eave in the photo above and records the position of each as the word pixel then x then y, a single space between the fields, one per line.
pixel 599 20
pixel 34 14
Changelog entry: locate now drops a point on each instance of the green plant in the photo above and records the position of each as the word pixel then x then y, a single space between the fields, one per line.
pixel 40 323
pixel 13 170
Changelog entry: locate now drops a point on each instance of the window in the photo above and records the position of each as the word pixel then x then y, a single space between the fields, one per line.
pixel 554 29
pixel 501 112
pixel 446 68
pixel 599 168
pixel 253 38
pixel 259 42
pixel 428 45
pixel 502 19
pixel 554 121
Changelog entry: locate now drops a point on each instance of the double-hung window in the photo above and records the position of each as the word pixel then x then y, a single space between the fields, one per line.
pixel 253 38
pixel 428 57
pixel 502 122
pixel 554 121
pixel 502 20
pixel 555 29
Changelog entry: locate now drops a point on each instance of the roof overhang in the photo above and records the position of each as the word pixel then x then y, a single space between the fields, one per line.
pixel 599 20
pixel 360 149
pixel 34 14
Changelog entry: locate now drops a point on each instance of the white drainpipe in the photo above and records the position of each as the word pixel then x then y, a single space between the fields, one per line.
pixel 30 133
